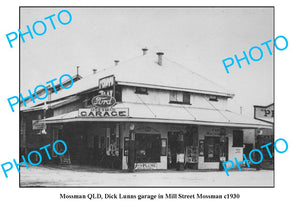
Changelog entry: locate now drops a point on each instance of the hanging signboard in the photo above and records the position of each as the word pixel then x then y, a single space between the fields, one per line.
pixel 107 85
pixel 38 125
pixel 104 113
pixel 264 113
pixel 106 82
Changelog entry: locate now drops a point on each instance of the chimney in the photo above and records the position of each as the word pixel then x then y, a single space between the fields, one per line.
pixel 144 51
pixel 159 61
pixel 116 62
pixel 94 71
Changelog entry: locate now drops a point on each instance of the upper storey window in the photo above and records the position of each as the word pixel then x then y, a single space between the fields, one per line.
pixel 213 98
pixel 178 97
pixel 141 90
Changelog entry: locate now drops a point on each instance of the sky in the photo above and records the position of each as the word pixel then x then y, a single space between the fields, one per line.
pixel 197 38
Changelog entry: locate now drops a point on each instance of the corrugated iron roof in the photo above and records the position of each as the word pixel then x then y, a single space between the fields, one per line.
pixel 170 114
pixel 145 71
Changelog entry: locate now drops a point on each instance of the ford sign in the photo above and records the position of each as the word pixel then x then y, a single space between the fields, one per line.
pixel 103 101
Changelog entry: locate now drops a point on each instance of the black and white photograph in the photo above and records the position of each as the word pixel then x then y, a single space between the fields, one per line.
pixel 147 96
pixel 149 106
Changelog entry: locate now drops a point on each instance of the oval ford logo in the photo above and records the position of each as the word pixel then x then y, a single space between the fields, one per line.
pixel 103 101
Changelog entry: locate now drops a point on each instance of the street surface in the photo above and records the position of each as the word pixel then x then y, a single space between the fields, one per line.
pixel 73 176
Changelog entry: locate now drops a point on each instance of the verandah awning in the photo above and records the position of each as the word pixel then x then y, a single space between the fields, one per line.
pixel 139 112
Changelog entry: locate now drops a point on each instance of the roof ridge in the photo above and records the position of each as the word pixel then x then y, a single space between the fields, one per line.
pixel 113 66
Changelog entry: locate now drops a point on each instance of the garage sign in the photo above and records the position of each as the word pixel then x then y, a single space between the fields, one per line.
pixel 104 113
pixel 103 101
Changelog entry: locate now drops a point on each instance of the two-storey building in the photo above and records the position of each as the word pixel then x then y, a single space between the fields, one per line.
pixel 176 116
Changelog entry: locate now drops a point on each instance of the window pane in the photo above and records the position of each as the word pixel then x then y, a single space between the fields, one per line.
pixel 186 98
pixel 212 149
pixel 179 97
pixel 173 96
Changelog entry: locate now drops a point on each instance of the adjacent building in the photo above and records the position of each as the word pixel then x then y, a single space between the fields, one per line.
pixel 265 135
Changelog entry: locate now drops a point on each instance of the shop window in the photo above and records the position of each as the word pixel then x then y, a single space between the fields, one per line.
pixel 212 149
pixel 141 90
pixel 238 138
pixel 179 97
pixel 147 148
pixel 213 98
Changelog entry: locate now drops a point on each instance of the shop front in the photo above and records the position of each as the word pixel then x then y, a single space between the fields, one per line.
pixel 165 146
pixel 145 136
pixel 103 137
pixel 89 143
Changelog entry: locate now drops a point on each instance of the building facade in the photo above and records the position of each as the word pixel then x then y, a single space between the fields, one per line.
pixel 168 114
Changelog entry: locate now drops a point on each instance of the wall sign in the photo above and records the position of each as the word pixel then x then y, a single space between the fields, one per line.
pixel 214 132
pixel 238 150
pixel 177 128
pixel 103 101
pixel 141 128
pixel 104 113
pixel 145 166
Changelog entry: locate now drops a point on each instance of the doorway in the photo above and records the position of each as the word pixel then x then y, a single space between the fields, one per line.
pixel 172 149
pixel 147 148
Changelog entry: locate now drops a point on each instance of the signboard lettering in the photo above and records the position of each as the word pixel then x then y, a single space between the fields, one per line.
pixel 103 101
pixel 97 112
pixel 214 131
pixel 145 166
pixel 37 125
pixel 107 82
pixel 264 113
